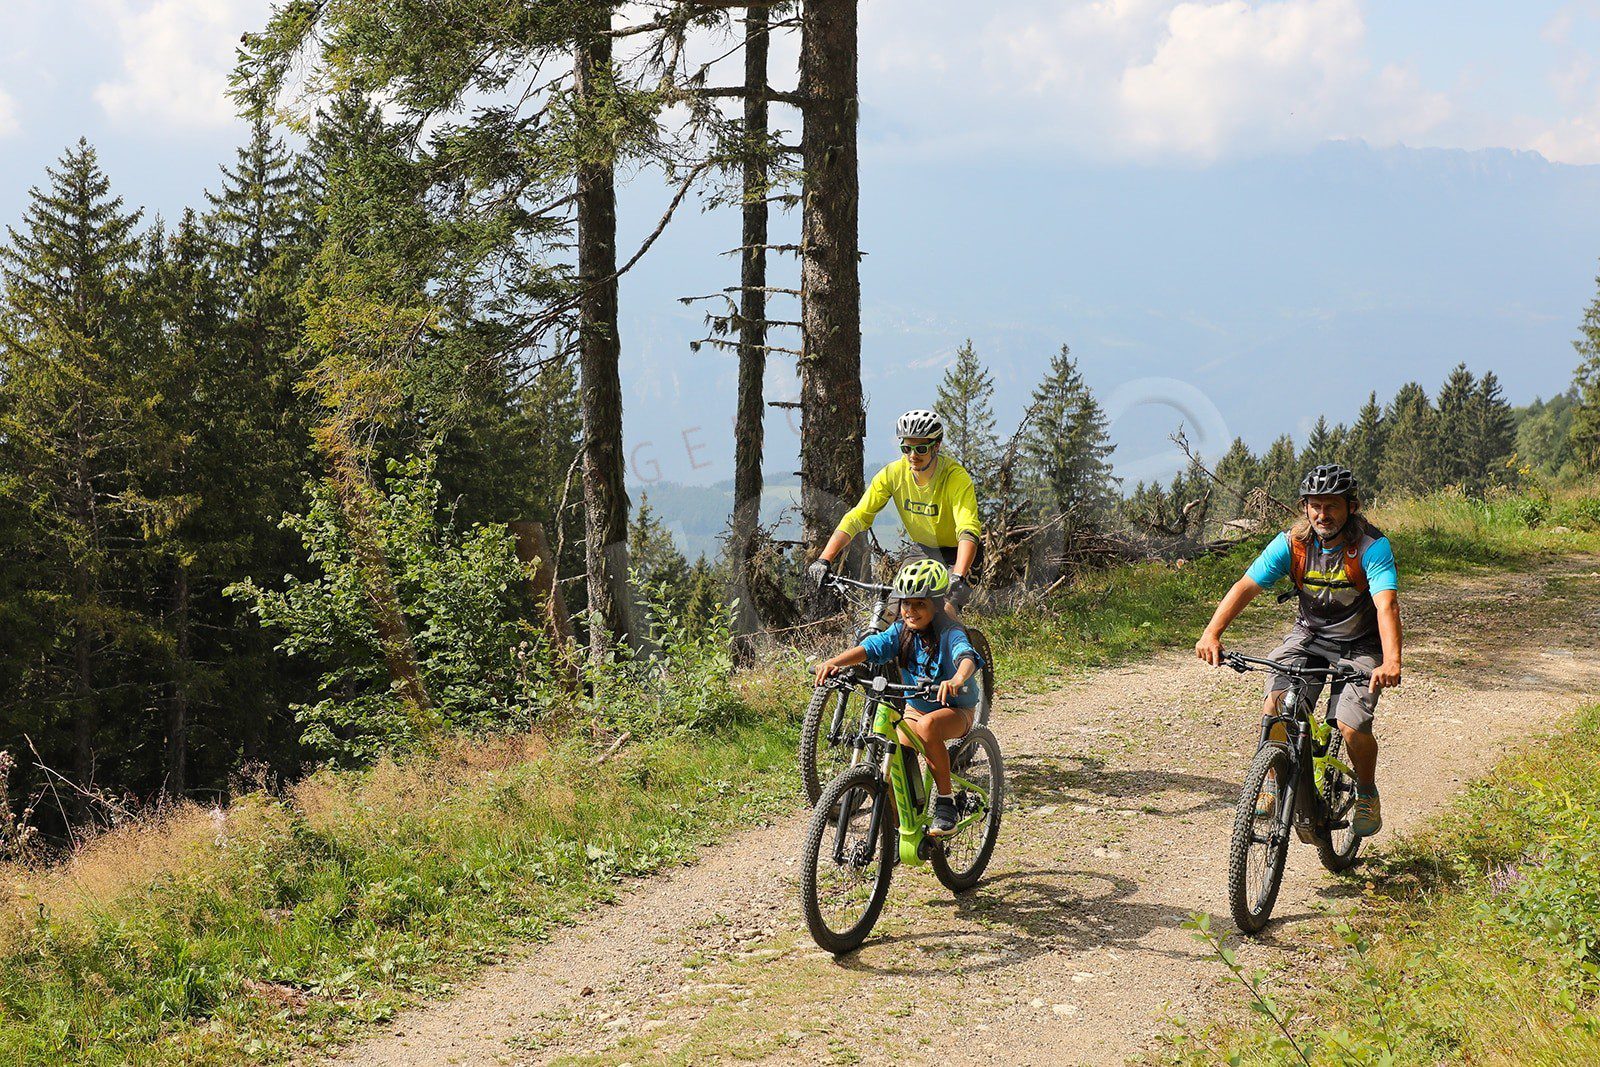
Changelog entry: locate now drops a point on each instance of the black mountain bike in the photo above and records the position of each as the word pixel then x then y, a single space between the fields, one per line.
pixel 833 735
pixel 1298 763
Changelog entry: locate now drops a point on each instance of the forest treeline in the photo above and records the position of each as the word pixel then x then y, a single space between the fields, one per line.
pixel 268 470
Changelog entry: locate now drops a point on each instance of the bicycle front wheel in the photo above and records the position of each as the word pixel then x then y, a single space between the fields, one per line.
pixel 848 859
pixel 1337 845
pixel 821 758
pixel 1260 843
pixel 960 859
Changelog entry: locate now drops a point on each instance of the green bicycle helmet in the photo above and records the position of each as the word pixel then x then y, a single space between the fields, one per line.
pixel 922 578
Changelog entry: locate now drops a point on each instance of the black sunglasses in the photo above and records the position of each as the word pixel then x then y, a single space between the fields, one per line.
pixel 921 450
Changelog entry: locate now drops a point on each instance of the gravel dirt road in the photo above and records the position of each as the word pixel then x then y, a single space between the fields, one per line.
pixel 1123 785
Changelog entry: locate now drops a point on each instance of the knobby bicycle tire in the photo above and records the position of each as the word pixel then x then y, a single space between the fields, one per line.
pixel 1252 915
pixel 980 644
pixel 815 750
pixel 816 851
pixel 1335 856
pixel 959 881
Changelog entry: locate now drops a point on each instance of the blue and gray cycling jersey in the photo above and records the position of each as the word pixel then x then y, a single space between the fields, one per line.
pixel 954 646
pixel 1330 607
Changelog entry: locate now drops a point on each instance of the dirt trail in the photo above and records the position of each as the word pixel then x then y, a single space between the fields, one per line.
pixel 1122 791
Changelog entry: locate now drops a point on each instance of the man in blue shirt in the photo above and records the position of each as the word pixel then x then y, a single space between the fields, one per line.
pixel 1344 572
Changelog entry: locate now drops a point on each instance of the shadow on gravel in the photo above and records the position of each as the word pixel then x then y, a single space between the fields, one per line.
pixel 1015 917
pixel 1036 779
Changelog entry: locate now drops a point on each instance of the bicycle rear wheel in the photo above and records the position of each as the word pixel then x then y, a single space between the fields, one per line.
pixel 848 859
pixel 822 760
pixel 960 859
pixel 1260 844
pixel 1337 848
pixel 980 643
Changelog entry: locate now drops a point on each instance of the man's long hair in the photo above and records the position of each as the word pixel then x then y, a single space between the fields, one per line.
pixel 1355 526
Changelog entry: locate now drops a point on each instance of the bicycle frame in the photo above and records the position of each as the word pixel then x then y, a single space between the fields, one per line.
pixel 1306 739
pixel 904 781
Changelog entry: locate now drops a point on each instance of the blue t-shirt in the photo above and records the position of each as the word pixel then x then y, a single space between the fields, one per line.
pixel 953 646
pixel 1377 559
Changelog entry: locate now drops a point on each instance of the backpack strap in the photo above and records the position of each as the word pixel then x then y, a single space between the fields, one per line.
pixel 1297 563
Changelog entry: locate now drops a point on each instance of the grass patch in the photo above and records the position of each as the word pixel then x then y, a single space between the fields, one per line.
pixel 1479 941
pixel 290 920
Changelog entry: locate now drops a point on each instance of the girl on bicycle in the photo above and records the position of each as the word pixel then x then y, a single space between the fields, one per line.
pixel 928 645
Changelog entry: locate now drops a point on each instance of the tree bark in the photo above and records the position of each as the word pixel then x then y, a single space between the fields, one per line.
pixel 599 351
pixel 831 413
pixel 749 429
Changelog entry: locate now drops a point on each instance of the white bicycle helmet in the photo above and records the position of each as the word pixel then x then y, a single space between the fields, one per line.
pixel 921 424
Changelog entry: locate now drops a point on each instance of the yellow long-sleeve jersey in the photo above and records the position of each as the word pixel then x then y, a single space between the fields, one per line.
pixel 939 514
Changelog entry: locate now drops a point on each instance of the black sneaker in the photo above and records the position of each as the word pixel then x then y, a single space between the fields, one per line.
pixel 944 816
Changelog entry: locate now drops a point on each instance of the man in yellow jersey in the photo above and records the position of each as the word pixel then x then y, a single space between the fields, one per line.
pixel 936 501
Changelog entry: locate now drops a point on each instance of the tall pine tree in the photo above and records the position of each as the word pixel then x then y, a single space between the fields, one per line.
pixel 964 398
pixel 1363 448
pixel 1067 447
pixel 1409 463
pixel 79 420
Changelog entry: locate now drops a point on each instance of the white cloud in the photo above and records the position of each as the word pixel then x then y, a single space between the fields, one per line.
pixel 1142 78
pixel 9 123
pixel 176 56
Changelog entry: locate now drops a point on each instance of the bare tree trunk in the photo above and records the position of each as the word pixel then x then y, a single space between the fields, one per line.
pixel 831 414
pixel 178 705
pixel 600 385
pixel 749 430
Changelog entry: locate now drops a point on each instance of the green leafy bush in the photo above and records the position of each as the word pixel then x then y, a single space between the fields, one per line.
pixel 461 592
pixel 1553 894
pixel 683 679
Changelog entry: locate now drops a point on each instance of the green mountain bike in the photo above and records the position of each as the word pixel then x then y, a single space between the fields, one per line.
pixel 875 816
pixel 833 734
pixel 1313 791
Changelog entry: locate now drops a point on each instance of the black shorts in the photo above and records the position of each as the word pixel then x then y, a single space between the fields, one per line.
pixel 947 556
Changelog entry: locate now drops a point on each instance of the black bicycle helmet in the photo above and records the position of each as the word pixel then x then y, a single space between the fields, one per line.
pixel 1330 479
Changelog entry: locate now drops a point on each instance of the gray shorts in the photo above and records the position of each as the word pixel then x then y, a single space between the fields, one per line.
pixel 1352 705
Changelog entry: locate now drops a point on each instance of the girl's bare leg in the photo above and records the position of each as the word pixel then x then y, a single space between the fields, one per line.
pixel 934 728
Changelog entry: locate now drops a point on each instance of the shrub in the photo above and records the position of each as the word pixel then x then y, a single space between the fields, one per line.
pixel 461 593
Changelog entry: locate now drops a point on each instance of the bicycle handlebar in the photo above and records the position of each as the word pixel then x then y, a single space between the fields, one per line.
pixel 1242 663
pixel 927 689
pixel 870 587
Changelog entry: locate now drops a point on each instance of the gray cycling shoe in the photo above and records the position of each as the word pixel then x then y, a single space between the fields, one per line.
pixel 1368 816
pixel 944 816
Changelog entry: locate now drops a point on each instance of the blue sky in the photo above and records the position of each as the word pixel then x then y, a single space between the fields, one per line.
pixel 1147 180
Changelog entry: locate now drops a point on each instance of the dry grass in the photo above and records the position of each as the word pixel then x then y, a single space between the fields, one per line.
pixel 109 865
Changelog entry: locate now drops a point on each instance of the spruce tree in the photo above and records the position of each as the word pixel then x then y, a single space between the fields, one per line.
pixel 1363 448
pixel 1067 447
pixel 1320 445
pixel 1491 434
pixel 78 422
pixel 1583 437
pixel 1409 463
pixel 1280 469
pixel 965 395
pixel 1241 472
pixel 1454 427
